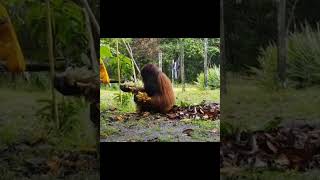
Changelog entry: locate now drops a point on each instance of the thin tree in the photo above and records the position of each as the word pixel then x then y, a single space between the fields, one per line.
pixel 223 59
pixel 93 54
pixel 205 62
pixel 51 62
pixel 181 44
pixel 91 15
pixel 282 43
pixel 172 72
pixel 119 74
pixel 160 60
pixel 133 62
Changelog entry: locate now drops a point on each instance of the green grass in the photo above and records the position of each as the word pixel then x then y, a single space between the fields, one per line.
pixel 248 106
pixel 192 95
pixel 164 131
pixel 19 127
pixel 19 122
pixel 108 130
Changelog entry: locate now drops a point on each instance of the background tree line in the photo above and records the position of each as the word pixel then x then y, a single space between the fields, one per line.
pixel 146 50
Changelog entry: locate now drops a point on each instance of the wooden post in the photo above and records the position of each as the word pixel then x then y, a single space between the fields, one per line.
pixel 160 60
pixel 51 61
pixel 205 62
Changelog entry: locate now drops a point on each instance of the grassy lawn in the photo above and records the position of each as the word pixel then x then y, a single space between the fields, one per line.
pixel 25 140
pixel 19 120
pixel 158 129
pixel 248 106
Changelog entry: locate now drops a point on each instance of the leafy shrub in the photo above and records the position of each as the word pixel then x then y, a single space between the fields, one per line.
pixel 267 73
pixel 126 98
pixel 213 78
pixel 303 63
pixel 67 110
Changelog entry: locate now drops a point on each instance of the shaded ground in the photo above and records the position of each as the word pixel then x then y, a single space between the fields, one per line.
pixel 248 106
pixel 27 151
pixel 284 147
pixel 43 161
pixel 156 127
pixel 269 134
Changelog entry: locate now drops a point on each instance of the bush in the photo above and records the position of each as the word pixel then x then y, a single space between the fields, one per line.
pixel 303 63
pixel 213 78
pixel 126 98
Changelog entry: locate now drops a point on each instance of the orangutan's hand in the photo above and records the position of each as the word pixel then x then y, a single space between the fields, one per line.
pixel 142 97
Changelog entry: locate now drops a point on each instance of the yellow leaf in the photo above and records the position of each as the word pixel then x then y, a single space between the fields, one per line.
pixel 10 50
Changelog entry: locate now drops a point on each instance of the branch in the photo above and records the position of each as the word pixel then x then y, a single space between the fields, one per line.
pixel 291 15
pixel 93 54
pixel 131 54
pixel 92 17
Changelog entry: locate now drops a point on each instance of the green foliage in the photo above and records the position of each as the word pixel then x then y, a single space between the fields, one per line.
pixel 7 134
pixel 303 63
pixel 272 124
pixel 267 73
pixel 109 55
pixel 66 111
pixel 125 67
pixel 145 51
pixel 184 104
pixel 105 52
pixel 126 98
pixel 227 129
pixel 69 28
pixel 193 54
pixel 39 80
pixel 213 78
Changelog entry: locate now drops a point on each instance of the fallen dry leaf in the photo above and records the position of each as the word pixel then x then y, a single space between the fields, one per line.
pixel 54 165
pixel 145 114
pixel 188 131
pixel 272 147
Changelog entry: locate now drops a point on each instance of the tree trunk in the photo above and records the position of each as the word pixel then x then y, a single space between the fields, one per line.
pixel 172 72
pixel 51 61
pixel 119 73
pixel 282 43
pixel 93 54
pixel 133 63
pixel 223 59
pixel 160 60
pixel 205 62
pixel 182 64
pixel 92 17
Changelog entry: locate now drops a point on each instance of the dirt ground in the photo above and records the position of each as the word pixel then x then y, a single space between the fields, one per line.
pixel 27 153
pixel 134 127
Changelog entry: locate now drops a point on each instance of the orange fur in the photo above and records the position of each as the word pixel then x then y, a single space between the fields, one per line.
pixel 158 86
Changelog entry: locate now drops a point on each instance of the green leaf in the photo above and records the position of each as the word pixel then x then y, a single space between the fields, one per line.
pixel 105 52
